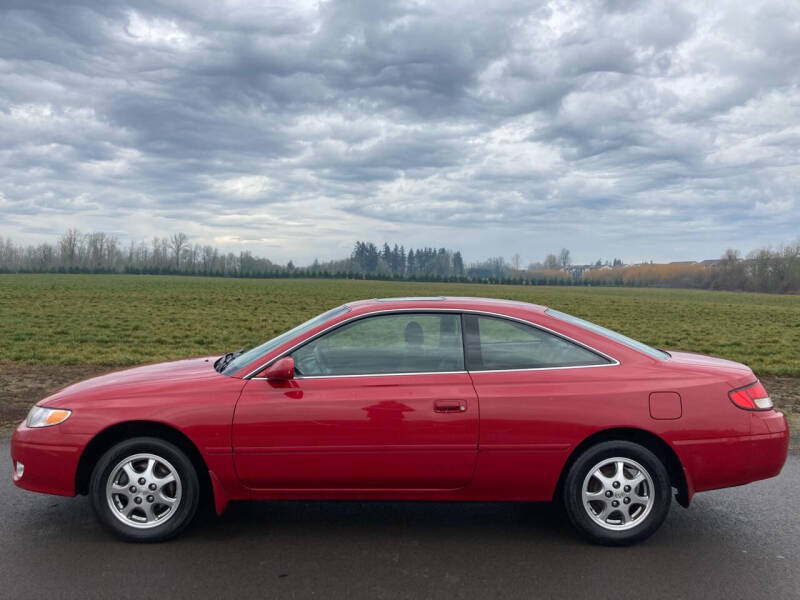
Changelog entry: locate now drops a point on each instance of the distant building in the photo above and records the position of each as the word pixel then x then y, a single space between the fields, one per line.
pixel 577 271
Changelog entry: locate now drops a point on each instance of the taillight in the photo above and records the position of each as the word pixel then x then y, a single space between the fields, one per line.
pixel 751 397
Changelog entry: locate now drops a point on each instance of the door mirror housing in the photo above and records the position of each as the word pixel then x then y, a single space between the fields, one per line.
pixel 281 370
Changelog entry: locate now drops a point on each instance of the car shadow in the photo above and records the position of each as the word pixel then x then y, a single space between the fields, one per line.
pixel 485 520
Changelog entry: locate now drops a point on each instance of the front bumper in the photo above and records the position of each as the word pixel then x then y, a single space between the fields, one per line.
pixel 50 459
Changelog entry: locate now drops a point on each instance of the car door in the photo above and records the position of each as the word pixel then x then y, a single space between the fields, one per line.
pixel 380 402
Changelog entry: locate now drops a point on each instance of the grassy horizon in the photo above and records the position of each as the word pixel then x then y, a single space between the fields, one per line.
pixel 118 320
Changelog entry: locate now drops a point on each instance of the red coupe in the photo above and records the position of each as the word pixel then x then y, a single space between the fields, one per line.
pixel 410 399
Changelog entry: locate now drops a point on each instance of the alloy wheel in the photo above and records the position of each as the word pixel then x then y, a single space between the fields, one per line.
pixel 617 493
pixel 144 491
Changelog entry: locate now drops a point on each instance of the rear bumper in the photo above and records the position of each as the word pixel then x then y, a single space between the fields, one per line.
pixel 728 461
pixel 770 444
pixel 50 460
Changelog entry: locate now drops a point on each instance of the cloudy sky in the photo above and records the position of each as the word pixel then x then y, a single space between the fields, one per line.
pixel 645 130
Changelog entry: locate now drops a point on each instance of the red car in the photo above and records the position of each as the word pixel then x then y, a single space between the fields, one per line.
pixel 410 399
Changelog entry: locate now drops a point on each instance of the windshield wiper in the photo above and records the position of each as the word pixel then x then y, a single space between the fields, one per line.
pixel 225 360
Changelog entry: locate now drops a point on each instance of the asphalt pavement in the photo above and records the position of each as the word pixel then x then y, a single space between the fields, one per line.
pixel 736 543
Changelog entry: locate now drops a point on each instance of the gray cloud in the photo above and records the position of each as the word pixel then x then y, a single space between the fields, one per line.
pixel 634 129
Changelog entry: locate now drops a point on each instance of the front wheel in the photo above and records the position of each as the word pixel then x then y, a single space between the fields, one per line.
pixel 617 493
pixel 145 490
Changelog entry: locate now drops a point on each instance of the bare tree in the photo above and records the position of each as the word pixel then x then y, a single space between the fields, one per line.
pixel 564 258
pixel 68 247
pixel 178 241
pixel 209 258
pixel 731 274
pixel 156 253
pixel 193 255
pixel 551 262
pixel 96 248
pixel 515 261
pixel 111 252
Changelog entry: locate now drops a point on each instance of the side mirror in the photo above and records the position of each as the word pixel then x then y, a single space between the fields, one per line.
pixel 281 370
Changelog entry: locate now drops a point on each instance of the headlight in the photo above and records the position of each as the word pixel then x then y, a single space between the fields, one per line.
pixel 39 416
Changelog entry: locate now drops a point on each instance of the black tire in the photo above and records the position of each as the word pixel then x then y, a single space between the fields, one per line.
pixel 650 520
pixel 182 511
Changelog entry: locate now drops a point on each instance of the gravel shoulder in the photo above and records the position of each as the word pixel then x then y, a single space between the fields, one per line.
pixel 22 385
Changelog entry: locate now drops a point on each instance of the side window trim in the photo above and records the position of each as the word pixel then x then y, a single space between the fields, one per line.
pixel 464 313
pixel 404 374
pixel 473 359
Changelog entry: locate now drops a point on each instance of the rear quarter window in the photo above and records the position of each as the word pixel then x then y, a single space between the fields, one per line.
pixel 495 343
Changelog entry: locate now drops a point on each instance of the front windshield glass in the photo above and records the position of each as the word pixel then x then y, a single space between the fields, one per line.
pixel 609 333
pixel 255 353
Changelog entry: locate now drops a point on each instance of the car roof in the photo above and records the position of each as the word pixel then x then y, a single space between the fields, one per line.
pixel 449 302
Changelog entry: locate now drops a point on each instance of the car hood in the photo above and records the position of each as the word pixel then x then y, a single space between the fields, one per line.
pixel 138 380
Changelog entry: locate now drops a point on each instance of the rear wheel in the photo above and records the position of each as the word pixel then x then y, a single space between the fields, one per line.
pixel 145 490
pixel 617 493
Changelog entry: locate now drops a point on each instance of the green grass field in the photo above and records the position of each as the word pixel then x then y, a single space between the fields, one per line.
pixel 126 319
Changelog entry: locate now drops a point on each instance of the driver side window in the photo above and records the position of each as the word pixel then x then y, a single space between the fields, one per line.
pixel 385 344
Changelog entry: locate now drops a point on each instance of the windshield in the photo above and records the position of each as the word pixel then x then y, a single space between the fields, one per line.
pixel 617 337
pixel 255 353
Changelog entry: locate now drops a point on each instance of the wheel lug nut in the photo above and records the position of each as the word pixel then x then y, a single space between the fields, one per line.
pixel 152 487
pixel 615 503
pixel 609 493
pixel 150 498
pixel 137 500
pixel 142 481
pixel 626 500
pixel 132 489
pixel 627 488
pixel 615 484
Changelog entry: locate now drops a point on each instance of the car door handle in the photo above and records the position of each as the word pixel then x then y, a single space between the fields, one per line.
pixel 449 406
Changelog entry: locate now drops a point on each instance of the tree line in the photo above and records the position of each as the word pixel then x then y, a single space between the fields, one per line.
pixel 763 270
pixel 394 261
